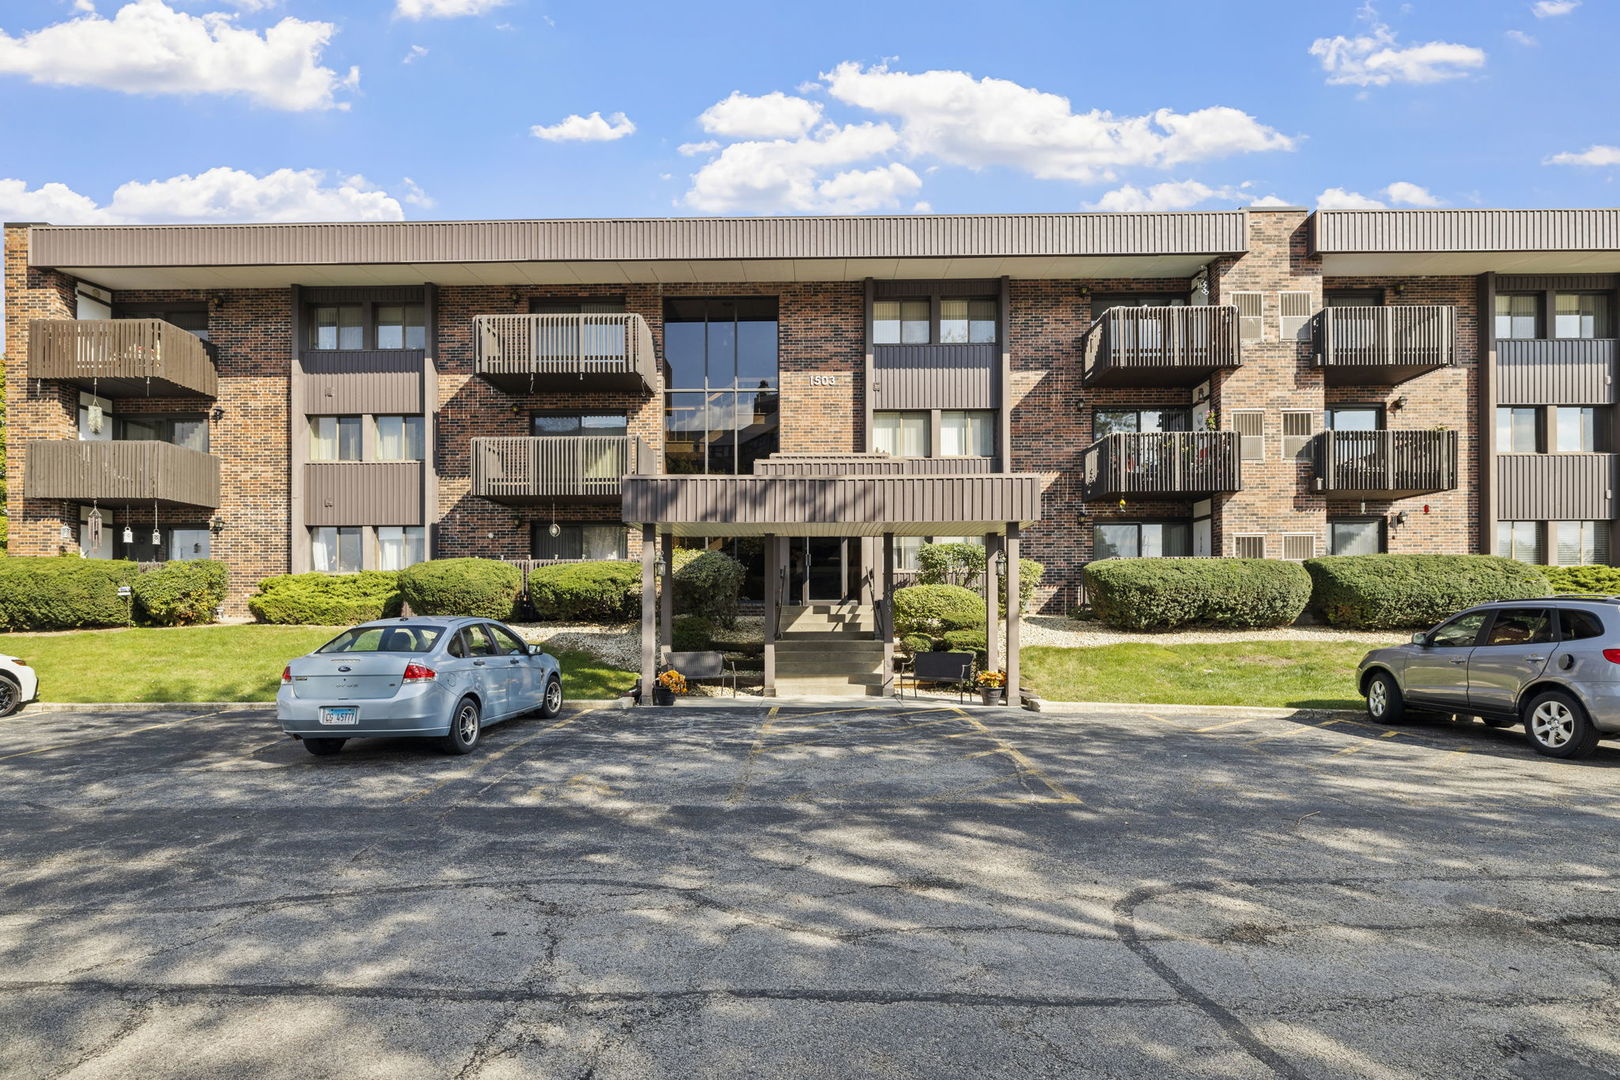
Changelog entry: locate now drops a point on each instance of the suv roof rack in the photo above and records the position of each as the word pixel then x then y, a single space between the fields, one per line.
pixel 1576 596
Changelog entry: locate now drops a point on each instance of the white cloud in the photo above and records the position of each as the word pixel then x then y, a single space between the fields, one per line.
pixel 416 53
pixel 693 149
pixel 1170 195
pixel 977 123
pixel 220 194
pixel 415 195
pixel 150 48
pixel 769 116
pixel 1547 9
pixel 1335 198
pixel 1409 194
pixel 1270 200
pixel 788 174
pixel 443 9
pixel 1376 58
pixel 592 128
pixel 1596 154
pixel 1522 38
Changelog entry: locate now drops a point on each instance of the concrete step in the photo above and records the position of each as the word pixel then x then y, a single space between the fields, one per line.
pixel 853 686
pixel 825 609
pixel 869 651
pixel 829 668
pixel 823 636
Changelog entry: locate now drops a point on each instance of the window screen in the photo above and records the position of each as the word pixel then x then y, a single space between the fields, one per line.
pixel 1250 426
pixel 1249 547
pixel 1298 427
pixel 1299 546
pixel 1251 315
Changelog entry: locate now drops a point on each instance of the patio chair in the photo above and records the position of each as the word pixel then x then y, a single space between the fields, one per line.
pixel 936 667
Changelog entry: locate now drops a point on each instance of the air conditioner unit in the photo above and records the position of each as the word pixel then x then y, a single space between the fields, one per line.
pixel 1201 392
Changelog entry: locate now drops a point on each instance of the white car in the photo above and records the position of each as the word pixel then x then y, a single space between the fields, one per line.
pixel 18 684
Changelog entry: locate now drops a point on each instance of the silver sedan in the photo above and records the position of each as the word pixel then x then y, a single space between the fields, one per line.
pixel 441 678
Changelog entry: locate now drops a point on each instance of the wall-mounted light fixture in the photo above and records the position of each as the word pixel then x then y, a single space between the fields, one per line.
pixel 513 297
pixel 1398 403
pixel 217 526
pixel 218 413
pixel 216 301
pixel 1400 518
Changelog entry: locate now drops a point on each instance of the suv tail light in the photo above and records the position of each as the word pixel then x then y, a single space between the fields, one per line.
pixel 286 674
pixel 1612 655
pixel 418 673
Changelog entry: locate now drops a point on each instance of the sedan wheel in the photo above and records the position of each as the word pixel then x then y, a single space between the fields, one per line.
pixel 10 697
pixel 551 704
pixel 1384 702
pixel 464 728
pixel 1558 726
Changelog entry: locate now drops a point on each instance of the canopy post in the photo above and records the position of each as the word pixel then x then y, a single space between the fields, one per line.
pixel 1014 615
pixel 992 603
pixel 666 598
pixel 773 603
pixel 886 622
pixel 649 611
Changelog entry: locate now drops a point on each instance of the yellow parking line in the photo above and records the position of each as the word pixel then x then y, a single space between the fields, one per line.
pixel 1025 765
pixel 1227 724
pixel 1346 750
pixel 115 735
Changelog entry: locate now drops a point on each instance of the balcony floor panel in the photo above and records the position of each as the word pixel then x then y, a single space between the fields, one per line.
pixel 562 498
pixel 1137 375
pixel 1375 374
pixel 551 382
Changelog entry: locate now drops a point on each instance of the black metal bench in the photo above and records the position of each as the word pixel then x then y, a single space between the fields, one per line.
pixel 709 664
pixel 936 667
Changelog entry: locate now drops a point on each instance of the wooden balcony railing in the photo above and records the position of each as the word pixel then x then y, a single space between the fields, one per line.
pixel 1159 346
pixel 524 353
pixel 526 471
pixel 1384 345
pixel 1163 463
pixel 120 473
pixel 1386 464
pixel 122 357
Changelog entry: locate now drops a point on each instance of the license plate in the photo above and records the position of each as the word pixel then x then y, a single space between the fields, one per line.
pixel 340 716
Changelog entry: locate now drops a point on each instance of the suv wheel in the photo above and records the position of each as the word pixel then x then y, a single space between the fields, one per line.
pixel 1384 702
pixel 1558 727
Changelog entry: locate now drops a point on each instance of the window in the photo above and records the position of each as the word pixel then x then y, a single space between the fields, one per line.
pixel 900 434
pixel 1109 421
pixel 1250 426
pixel 401 326
pixel 1356 536
pixel 1461 632
pixel 719 432
pixel 1582 315
pixel 906 549
pixel 477 642
pixel 1575 429
pixel 189 543
pixel 399 438
pixel 334 438
pixel 338 326
pixel 1299 546
pixel 506 642
pixel 1580 543
pixel 967 321
pixel 601 340
pixel 579 424
pixel 730 347
pixel 409 639
pixel 1520 626
pixel 1577 625
pixel 1249 547
pixel 1520 540
pixel 335 550
pixel 1516 430
pixel 1298 428
pixel 1353 297
pixel 1147 539
pixel 1517 315
pixel 191 317
pixel 1353 418
pixel 577 541
pixel 190 432
pixel 1293 314
pixel 399 546
pixel 967 433
pixel 1251 315
pixel 901 322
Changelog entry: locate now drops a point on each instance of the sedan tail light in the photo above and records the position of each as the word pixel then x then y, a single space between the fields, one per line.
pixel 1612 655
pixel 19 661
pixel 418 673
pixel 286 674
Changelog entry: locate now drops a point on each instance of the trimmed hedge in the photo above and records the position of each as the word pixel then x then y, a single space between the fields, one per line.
pixel 182 592
pixel 64 592
pixel 973 641
pixel 327 599
pixel 926 609
pixel 691 633
pixel 1163 594
pixel 1603 580
pixel 608 591
pixel 1391 592
pixel 709 585
pixel 480 587
pixel 964 564
pixel 916 643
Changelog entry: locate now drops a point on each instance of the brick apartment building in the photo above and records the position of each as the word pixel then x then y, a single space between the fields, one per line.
pixel 1263 382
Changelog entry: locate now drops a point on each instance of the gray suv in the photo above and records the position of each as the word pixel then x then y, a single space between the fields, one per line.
pixel 1549 664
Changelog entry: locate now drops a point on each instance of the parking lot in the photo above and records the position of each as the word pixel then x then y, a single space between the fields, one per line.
pixel 807 892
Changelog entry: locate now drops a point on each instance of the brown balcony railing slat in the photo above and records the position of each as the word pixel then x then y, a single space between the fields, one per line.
pixel 117 472
pixel 1388 461
pixel 1163 463
pixel 554 466
pixel 1397 335
pixel 1197 337
pixel 139 355
pixel 577 345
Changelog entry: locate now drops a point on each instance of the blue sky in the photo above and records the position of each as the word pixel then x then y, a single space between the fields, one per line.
pixel 217 110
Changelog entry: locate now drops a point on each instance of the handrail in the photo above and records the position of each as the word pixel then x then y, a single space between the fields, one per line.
pixel 1396 460
pixel 1192 336
pixel 556 465
pixel 1393 335
pixel 119 352
pixel 781 602
pixel 578 345
pixel 1163 462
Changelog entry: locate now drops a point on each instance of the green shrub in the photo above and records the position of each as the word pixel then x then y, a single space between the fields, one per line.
pixel 481 587
pixel 1599 580
pixel 973 641
pixel 182 593
pixel 691 633
pixel 709 585
pixel 64 592
pixel 916 643
pixel 1162 594
pixel 951 564
pixel 1030 573
pixel 327 599
pixel 586 591
pixel 963 619
pixel 1388 592
pixel 924 609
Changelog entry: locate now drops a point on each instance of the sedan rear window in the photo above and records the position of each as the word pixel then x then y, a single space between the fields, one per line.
pixel 406 639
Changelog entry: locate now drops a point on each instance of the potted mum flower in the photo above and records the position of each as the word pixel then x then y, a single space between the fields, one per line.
pixel 990 685
pixel 670 683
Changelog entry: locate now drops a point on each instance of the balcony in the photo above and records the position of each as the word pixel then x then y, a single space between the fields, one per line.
pixel 122 357
pixel 120 473
pixel 1382 346
pixel 530 471
pixel 1556 487
pixel 1385 464
pixel 1159 346
pixel 1166 463
pixel 522 354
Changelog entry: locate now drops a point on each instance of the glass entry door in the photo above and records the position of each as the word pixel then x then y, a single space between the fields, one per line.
pixel 819 570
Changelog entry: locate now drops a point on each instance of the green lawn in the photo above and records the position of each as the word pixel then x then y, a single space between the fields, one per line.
pixel 1276 673
pixel 212 663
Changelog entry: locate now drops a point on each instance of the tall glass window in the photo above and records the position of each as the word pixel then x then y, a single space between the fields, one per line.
pixel 722 412
pixel 901 322
pixel 338 326
pixel 1582 315
pixel 1580 543
pixel 900 434
pixel 967 433
pixel 401 326
pixel 335 550
pixel 1516 315
pixel 399 438
pixel 1111 421
pixel 1520 540
pixel 399 546
pixel 1575 429
pixel 334 438
pixel 577 541
pixel 1516 430
pixel 970 321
